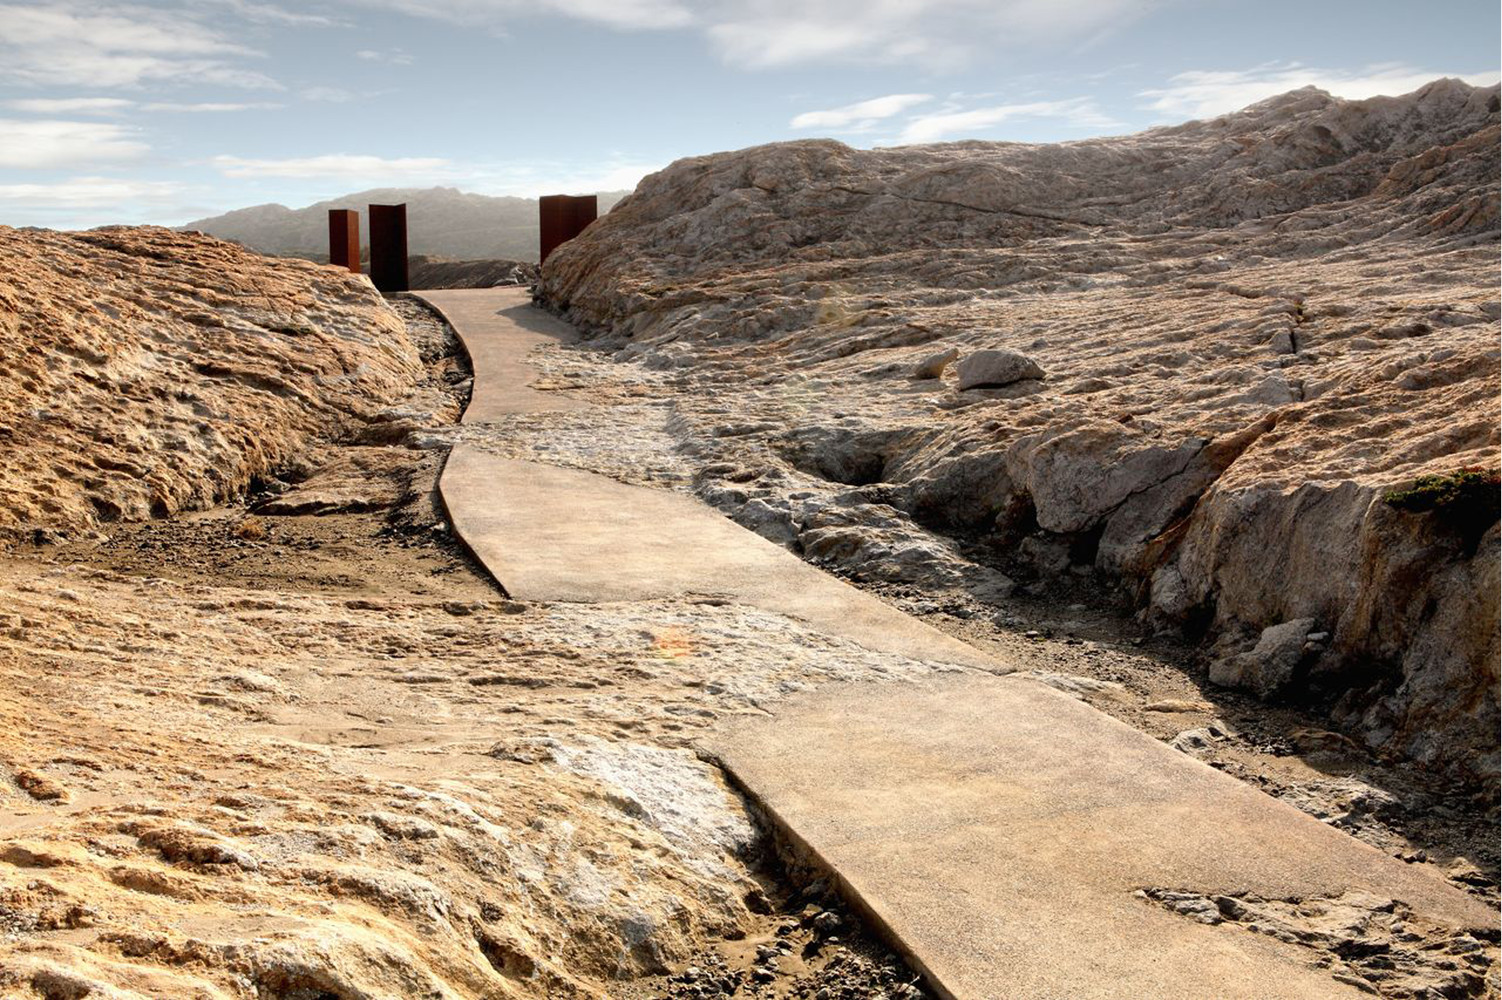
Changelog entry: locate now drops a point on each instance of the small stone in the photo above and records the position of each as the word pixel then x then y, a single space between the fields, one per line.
pixel 933 366
pixel 1230 907
pixel 1351 979
pixel 1177 705
pixel 817 889
pixel 1271 665
pixel 827 922
pixel 1193 741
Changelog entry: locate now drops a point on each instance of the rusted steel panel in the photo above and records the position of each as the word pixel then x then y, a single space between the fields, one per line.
pixel 561 217
pixel 388 247
pixel 553 223
pixel 344 238
pixel 586 210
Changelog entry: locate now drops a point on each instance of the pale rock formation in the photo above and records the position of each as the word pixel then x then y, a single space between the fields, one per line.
pixel 1270 666
pixel 1253 326
pixel 933 366
pixel 995 368
pixel 150 372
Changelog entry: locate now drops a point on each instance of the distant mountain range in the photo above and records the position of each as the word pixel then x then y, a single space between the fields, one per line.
pixel 441 222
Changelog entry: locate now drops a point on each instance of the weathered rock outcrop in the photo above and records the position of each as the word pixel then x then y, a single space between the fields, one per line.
pixel 1253 328
pixel 149 371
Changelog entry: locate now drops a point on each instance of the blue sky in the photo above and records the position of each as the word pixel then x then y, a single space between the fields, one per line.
pixel 168 111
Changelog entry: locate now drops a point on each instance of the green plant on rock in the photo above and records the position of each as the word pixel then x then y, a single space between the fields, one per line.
pixel 1465 486
pixel 1469 498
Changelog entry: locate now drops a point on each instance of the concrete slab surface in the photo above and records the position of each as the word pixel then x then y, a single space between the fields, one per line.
pixel 499 328
pixel 995 828
pixel 554 534
pixel 999 829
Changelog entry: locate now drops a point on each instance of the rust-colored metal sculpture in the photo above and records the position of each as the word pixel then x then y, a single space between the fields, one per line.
pixel 561 217
pixel 344 238
pixel 388 247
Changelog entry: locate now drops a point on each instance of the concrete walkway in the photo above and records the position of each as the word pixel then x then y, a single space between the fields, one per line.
pixel 553 534
pixel 1000 831
pixel 995 829
pixel 502 377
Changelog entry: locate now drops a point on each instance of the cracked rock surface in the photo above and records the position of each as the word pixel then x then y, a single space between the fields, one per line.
pixel 297 747
pixel 1249 330
pixel 149 371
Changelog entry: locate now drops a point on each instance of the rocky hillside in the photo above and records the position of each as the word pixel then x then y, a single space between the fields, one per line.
pixel 150 372
pixel 438 272
pixel 1245 368
pixel 442 222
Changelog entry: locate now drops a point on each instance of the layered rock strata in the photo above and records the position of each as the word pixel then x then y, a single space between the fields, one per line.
pixel 1255 334
pixel 149 372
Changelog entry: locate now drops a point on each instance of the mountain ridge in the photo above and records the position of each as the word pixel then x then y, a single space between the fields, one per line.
pixel 442 222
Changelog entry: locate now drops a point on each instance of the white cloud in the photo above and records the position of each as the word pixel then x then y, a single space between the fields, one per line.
pixel 39 144
pixel 266 13
pixel 206 107
pixel 83 202
pixel 938 34
pixel 528 179
pixel 395 57
pixel 1076 112
pixel 329 95
pixel 860 116
pixel 628 15
pixel 89 192
pixel 120 45
pixel 373 169
pixel 1207 93
pixel 70 105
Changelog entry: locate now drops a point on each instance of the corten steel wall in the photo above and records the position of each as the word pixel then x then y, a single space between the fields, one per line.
pixel 344 238
pixel 388 247
pixel 561 217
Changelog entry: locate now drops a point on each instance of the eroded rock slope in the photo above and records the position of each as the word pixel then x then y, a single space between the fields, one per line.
pixel 1254 332
pixel 149 372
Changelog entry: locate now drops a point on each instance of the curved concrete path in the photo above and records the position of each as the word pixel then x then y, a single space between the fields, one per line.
pixel 500 327
pixel 552 534
pixel 996 830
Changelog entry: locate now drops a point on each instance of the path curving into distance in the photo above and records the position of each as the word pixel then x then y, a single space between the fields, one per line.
pixel 995 830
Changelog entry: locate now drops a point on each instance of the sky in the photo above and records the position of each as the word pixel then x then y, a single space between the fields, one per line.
pixel 166 111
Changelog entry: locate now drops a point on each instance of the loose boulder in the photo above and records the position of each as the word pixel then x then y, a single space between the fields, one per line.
pixel 1271 664
pixel 995 368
